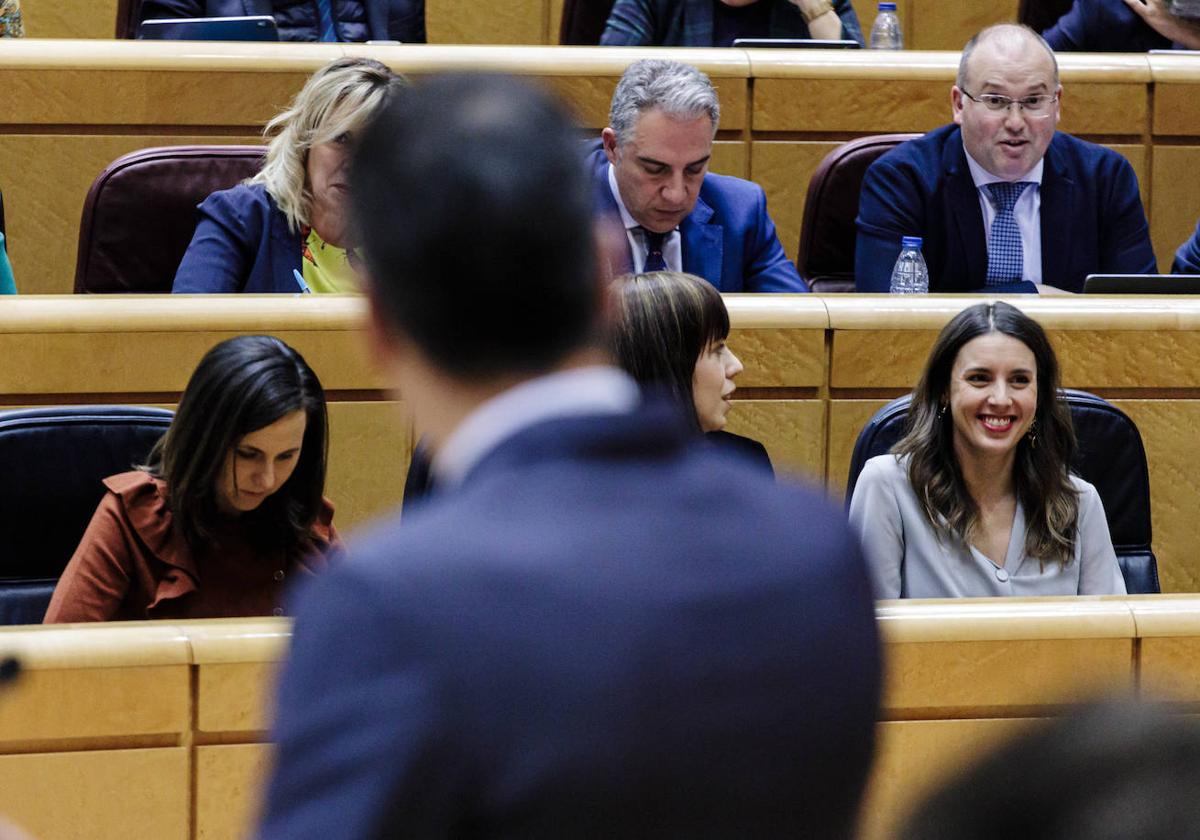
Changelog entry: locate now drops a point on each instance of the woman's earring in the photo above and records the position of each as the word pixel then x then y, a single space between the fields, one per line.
pixel 1032 435
pixel 942 412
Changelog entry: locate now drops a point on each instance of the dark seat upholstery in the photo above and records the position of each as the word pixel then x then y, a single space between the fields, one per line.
pixel 1110 456
pixel 583 21
pixel 140 213
pixel 129 13
pixel 827 233
pixel 60 456
pixel 1040 15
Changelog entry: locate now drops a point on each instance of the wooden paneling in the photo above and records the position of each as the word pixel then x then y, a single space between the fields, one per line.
pixel 793 431
pixel 913 758
pixel 1175 179
pixel 783 170
pixel 1167 428
pixel 229 781
pixel 1176 108
pixel 100 795
pixel 780 357
pixel 937 25
pixel 370 444
pixel 1104 108
pixel 861 105
pixel 509 22
pixel 43 197
pixel 69 18
pixel 846 419
pixel 235 697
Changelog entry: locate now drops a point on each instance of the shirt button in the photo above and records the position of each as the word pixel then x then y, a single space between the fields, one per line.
pixel 1002 575
pixel 279 574
pixel 277 611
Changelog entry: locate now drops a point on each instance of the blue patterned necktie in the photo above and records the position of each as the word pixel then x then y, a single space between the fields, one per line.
pixel 1006 257
pixel 325 14
pixel 655 261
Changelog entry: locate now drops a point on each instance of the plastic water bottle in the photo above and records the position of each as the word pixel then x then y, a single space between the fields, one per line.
pixel 911 275
pixel 885 33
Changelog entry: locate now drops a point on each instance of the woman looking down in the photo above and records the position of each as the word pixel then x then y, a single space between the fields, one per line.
pixel 228 507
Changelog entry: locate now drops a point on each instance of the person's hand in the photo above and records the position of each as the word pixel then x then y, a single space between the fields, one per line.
pixel 823 22
pixel 1159 18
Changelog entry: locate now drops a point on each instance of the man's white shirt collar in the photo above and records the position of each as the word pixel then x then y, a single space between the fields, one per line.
pixel 601 389
pixel 981 176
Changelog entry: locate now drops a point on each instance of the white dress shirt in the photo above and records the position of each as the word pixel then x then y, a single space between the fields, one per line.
pixel 672 244
pixel 601 389
pixel 1027 212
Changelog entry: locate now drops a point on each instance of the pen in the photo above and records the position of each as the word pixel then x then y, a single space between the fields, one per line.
pixel 304 290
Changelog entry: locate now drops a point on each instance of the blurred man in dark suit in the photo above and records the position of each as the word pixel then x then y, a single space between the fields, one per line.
pixel 597 626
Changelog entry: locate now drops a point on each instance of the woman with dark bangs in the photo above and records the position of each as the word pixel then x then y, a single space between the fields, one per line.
pixel 976 499
pixel 229 506
pixel 670 334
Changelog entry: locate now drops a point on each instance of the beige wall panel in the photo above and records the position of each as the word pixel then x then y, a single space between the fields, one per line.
pixel 878 358
pixel 229 783
pixel 938 25
pixel 1104 108
pixel 1170 668
pixel 793 431
pixel 147 362
pixel 729 158
pixel 913 758
pixel 1091 359
pixel 1168 430
pixel 43 198
pixel 864 104
pixel 95 703
pixel 589 98
pixel 783 170
pixel 1001 678
pixel 1176 108
pixel 147 97
pixel 102 795
pixel 69 18
pixel 1175 198
pixel 235 696
pixel 867 10
pixel 466 22
pixel 370 445
pixel 779 358
pixel 846 420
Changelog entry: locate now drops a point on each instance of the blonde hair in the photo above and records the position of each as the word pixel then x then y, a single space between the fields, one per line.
pixel 341 97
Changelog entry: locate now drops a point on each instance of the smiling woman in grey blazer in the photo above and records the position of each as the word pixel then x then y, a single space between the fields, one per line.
pixel 976 499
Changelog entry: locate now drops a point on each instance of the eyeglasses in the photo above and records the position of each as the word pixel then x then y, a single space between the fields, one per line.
pixel 1036 106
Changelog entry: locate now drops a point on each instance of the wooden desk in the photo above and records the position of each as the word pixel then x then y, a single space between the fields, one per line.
pixel 960 677
pixel 74 106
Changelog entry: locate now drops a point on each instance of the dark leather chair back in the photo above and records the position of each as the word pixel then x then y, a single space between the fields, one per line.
pixel 1040 15
pixel 55 459
pixel 140 213
pixel 583 21
pixel 129 14
pixel 827 233
pixel 1110 456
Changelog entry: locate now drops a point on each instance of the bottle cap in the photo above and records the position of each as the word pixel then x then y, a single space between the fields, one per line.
pixel 910 242
pixel 887 7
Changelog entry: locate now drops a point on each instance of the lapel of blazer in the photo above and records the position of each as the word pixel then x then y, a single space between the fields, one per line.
pixel 964 219
pixel 703 245
pixel 607 206
pixel 1057 218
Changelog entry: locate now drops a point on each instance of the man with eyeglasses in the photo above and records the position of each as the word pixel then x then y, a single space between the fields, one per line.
pixel 1002 201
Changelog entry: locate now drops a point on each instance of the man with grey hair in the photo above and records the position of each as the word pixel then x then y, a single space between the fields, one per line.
pixel 650 170
pixel 1002 201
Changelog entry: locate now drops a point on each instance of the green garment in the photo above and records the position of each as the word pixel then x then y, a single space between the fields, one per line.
pixel 7 286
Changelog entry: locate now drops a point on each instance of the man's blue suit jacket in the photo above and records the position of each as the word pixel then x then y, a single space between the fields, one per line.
pixel 1103 26
pixel 728 239
pixel 608 630
pixel 1092 216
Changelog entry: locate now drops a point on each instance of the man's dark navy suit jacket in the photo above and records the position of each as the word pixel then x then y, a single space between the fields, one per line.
pixel 1092 216
pixel 608 630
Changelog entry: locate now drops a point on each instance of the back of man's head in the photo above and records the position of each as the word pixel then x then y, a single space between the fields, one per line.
pixel 476 223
